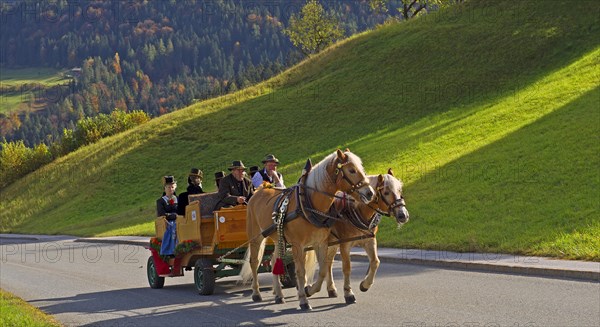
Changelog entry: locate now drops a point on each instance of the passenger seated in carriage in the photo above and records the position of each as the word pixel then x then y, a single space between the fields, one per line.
pixel 218 177
pixel 269 173
pixel 195 182
pixel 166 206
pixel 253 171
pixel 194 187
pixel 235 188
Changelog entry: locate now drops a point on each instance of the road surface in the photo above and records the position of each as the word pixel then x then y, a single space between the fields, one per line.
pixel 105 285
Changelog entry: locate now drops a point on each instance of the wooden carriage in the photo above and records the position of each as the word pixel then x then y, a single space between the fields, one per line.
pixel 217 242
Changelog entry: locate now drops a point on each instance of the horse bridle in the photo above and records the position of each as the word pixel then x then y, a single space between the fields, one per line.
pixel 391 206
pixel 339 170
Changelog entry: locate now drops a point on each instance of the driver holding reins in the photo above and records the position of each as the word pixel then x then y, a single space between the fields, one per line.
pixel 235 188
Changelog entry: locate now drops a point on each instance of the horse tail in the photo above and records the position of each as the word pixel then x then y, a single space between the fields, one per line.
pixel 252 230
pixel 246 270
pixel 310 266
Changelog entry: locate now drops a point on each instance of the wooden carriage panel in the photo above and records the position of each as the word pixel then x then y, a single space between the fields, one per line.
pixel 188 226
pixel 207 233
pixel 230 228
pixel 160 226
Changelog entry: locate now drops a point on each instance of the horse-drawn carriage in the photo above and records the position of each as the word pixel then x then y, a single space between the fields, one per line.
pixel 211 243
pixel 298 216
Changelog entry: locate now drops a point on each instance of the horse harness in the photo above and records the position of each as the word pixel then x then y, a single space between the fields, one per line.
pixel 353 217
pixel 305 207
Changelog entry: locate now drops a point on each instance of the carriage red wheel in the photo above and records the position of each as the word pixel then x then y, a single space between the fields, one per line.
pixel 154 280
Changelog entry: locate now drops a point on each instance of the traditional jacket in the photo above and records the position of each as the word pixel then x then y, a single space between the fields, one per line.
pixel 229 190
pixel 194 189
pixel 184 200
pixel 166 207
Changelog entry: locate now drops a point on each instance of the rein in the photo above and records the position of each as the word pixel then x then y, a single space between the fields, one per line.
pixel 352 215
pixel 391 206
pixel 317 217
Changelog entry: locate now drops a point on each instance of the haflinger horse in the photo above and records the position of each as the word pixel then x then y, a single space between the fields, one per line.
pixel 359 228
pixel 305 206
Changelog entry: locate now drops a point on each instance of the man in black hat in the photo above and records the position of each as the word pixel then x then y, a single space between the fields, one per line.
pixel 235 188
pixel 269 173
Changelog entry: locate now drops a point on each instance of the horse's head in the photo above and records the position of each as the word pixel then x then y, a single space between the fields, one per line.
pixel 350 176
pixel 389 197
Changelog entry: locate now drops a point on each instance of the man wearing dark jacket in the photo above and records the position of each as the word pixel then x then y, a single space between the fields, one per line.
pixel 235 188
pixel 194 187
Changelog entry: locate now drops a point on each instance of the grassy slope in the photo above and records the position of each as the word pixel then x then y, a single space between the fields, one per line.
pixel 16 312
pixel 481 111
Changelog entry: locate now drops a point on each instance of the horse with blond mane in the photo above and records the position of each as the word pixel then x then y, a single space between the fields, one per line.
pixel 302 219
pixel 359 228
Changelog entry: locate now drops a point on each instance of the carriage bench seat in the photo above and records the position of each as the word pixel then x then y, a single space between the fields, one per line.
pixel 208 202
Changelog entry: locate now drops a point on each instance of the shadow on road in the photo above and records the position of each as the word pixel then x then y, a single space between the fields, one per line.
pixel 181 305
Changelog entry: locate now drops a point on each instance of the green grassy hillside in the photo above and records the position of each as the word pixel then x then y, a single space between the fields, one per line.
pixel 36 82
pixel 488 112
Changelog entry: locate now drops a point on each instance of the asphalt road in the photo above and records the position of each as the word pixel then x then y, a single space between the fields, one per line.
pixel 106 285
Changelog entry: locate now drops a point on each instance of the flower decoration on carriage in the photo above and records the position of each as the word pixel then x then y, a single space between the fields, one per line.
pixel 155 243
pixel 266 184
pixel 185 247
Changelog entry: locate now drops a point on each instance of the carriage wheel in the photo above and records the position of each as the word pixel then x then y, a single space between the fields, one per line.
pixel 289 278
pixel 204 276
pixel 154 280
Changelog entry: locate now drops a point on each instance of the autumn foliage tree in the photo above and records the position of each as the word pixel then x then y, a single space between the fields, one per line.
pixel 411 8
pixel 313 29
pixel 17 160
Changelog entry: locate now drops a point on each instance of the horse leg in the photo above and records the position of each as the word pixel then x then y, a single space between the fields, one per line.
pixel 276 282
pixel 347 270
pixel 331 289
pixel 371 249
pixel 255 248
pixel 299 261
pixel 321 252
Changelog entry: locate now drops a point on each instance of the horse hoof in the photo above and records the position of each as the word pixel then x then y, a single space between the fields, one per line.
pixel 362 288
pixel 306 288
pixel 279 300
pixel 257 298
pixel 350 299
pixel 305 307
pixel 332 293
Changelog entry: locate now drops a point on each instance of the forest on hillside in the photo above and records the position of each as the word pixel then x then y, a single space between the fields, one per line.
pixel 153 56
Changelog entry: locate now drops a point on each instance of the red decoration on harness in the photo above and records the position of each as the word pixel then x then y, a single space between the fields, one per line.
pixel 278 268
